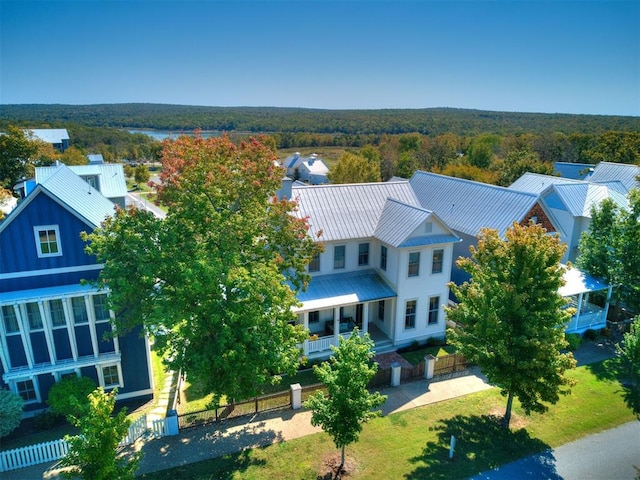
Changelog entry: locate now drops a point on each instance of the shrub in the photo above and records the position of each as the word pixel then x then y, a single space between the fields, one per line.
pixel 590 334
pixel 10 411
pixel 68 397
pixel 574 340
pixel 45 420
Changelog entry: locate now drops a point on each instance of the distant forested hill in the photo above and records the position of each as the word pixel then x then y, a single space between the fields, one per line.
pixel 431 121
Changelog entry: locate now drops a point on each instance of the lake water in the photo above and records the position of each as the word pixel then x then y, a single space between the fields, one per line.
pixel 162 134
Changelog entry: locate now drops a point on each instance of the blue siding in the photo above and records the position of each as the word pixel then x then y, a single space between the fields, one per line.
pixel 39 348
pixel 43 281
pixel 62 345
pixel 90 372
pixel 17 356
pixel 105 342
pixel 18 245
pixel 83 340
pixel 134 362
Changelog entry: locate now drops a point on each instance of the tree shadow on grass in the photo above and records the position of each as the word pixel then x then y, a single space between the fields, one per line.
pixel 482 444
pixel 614 370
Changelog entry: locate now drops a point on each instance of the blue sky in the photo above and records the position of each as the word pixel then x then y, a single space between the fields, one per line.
pixel 541 56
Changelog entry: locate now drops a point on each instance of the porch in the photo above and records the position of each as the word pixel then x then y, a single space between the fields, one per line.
pixel 321 347
pixel 588 298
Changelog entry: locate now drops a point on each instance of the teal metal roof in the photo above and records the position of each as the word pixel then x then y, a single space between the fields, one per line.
pixel 111 179
pixel 41 294
pixel 328 291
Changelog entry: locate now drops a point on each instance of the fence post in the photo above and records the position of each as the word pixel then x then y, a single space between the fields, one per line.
pixel 296 396
pixel 396 370
pixel 171 423
pixel 429 366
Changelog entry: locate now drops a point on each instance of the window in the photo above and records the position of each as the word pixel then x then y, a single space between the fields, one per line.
pixel 27 390
pixel 381 306
pixel 363 254
pixel 314 317
pixel 314 266
pixel 57 313
pixel 10 319
pixel 338 257
pixel 110 376
pixel 48 241
pixel 438 258
pixel 410 314
pixel 79 310
pixel 383 257
pixel 34 317
pixel 434 309
pixel 428 227
pixel 414 264
pixel 100 308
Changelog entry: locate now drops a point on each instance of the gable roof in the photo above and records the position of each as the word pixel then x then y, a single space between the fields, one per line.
pixel 467 206
pixel 608 171
pixel 537 182
pixel 348 211
pixel 399 220
pixel 72 193
pixel 49 135
pixel 112 181
pixel 317 166
pixel 579 198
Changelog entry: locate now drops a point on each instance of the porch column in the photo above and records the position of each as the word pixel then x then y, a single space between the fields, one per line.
pixel 67 308
pixel 580 297
pixel 47 328
pixel 305 343
pixel 88 305
pixel 365 317
pixel 23 322
pixel 607 303
pixel 336 325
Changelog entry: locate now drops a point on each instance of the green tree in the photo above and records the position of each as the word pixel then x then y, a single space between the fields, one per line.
pixel 141 174
pixel 216 280
pixel 511 317
pixel 16 157
pixel 10 411
pixel 629 354
pixel 93 454
pixel 74 156
pixel 353 168
pixel 610 249
pixel 519 162
pixel 348 403
pixel 481 150
pixel 129 171
pixel 69 396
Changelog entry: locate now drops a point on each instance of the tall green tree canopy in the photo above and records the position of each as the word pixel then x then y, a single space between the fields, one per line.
pixel 216 280
pixel 16 157
pixel 610 249
pixel 511 317
pixel 348 403
pixel 353 168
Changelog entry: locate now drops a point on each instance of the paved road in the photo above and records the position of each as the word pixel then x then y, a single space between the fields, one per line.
pixel 610 455
pixel 135 198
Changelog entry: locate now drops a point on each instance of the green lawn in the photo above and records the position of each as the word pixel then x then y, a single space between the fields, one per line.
pixel 414 444
pixel 416 356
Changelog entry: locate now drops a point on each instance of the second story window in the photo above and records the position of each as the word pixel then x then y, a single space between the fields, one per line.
pixel 10 319
pixel 363 254
pixel 79 311
pixel 100 308
pixel 410 314
pixel 383 257
pixel 48 241
pixel 339 257
pixel 414 264
pixel 34 317
pixel 314 265
pixel 438 258
pixel 57 313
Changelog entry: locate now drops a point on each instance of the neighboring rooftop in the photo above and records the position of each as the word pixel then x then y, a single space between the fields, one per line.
pixel 49 135
pixel 111 183
pixel 625 173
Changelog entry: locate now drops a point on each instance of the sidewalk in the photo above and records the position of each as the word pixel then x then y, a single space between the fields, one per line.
pixel 202 443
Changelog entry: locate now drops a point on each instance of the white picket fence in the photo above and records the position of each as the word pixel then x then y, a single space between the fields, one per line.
pixel 55 450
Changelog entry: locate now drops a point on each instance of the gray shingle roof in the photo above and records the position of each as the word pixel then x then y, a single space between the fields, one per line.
pixel 467 206
pixel 348 211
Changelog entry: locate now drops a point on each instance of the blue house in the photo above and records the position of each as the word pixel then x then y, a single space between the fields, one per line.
pixel 52 324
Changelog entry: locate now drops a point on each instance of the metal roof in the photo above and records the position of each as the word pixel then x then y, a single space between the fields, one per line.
pixel 537 183
pixel 348 211
pixel 577 281
pixel 467 206
pixel 580 198
pixel 328 291
pixel 575 171
pixel 49 135
pixel 111 181
pixel 40 294
pixel 78 195
pixel 608 171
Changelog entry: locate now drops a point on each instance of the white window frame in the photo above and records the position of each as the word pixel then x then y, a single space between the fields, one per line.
pixel 101 368
pixel 335 257
pixel 415 313
pixel 363 256
pixel 106 305
pixel 417 265
pixel 36 390
pixel 433 261
pixel 314 264
pixel 36 233
pixel 4 321
pixel 432 310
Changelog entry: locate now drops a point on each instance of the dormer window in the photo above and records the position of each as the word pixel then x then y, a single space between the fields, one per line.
pixel 47 241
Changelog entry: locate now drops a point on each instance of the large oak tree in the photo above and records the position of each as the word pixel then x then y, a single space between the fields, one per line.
pixel 215 281
pixel 511 318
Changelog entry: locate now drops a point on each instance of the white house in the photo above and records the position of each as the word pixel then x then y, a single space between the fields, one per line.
pixel 314 171
pixel 385 266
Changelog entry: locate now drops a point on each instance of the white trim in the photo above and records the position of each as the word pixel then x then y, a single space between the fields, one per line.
pixel 58 240
pixel 50 271
pixel 36 388
pixel 100 368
